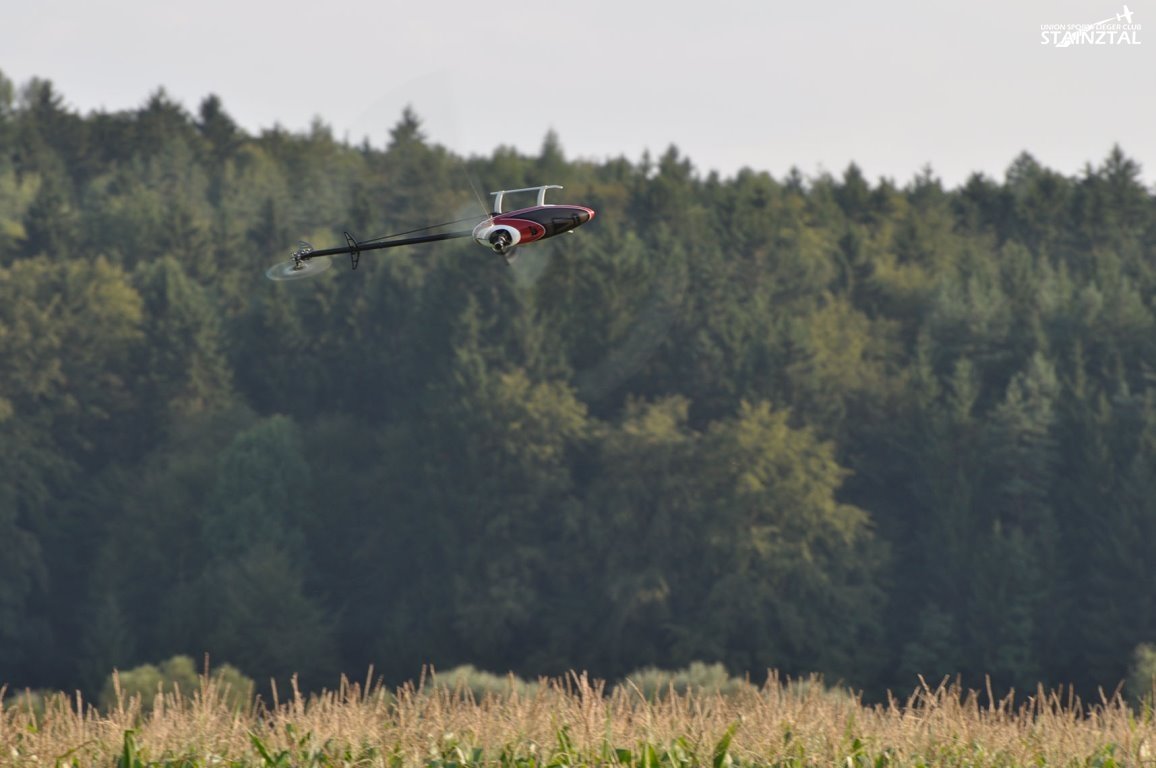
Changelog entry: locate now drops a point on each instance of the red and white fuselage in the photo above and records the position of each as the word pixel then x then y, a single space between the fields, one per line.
pixel 504 231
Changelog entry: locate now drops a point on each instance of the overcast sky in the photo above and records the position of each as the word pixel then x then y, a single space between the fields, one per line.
pixel 892 85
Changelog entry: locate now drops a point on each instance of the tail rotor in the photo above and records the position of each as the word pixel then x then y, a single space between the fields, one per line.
pixel 301 266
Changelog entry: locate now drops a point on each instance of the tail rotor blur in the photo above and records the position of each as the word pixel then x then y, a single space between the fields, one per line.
pixel 301 266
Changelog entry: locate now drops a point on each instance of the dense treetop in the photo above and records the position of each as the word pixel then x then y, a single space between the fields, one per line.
pixel 811 424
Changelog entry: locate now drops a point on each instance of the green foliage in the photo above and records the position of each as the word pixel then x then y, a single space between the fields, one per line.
pixel 698 678
pixel 31 701
pixel 1141 684
pixel 175 676
pixel 811 424
pixel 466 679
pixel 259 493
pixel 185 370
pixel 934 650
pixel 255 609
pixel 734 540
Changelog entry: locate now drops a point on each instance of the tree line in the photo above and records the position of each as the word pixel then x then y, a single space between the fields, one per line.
pixel 815 424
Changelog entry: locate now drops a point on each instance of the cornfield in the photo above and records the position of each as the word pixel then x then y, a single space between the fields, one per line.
pixel 576 721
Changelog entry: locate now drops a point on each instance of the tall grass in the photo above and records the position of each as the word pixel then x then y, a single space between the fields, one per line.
pixel 577 721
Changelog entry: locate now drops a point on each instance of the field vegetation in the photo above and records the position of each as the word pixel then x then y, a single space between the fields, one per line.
pixel 576 721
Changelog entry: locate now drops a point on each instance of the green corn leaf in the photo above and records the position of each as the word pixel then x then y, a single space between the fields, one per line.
pixel 722 756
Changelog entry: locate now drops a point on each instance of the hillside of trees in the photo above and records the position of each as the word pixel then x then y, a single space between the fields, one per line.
pixel 871 430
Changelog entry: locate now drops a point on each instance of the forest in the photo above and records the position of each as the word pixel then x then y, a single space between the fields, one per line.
pixel 867 429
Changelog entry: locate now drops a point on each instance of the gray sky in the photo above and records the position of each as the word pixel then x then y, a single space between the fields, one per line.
pixel 891 85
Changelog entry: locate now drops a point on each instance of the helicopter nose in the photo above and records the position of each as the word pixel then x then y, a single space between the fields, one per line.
pixel 585 215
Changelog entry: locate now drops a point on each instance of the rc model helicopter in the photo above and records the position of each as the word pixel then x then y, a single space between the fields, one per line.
pixel 498 231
